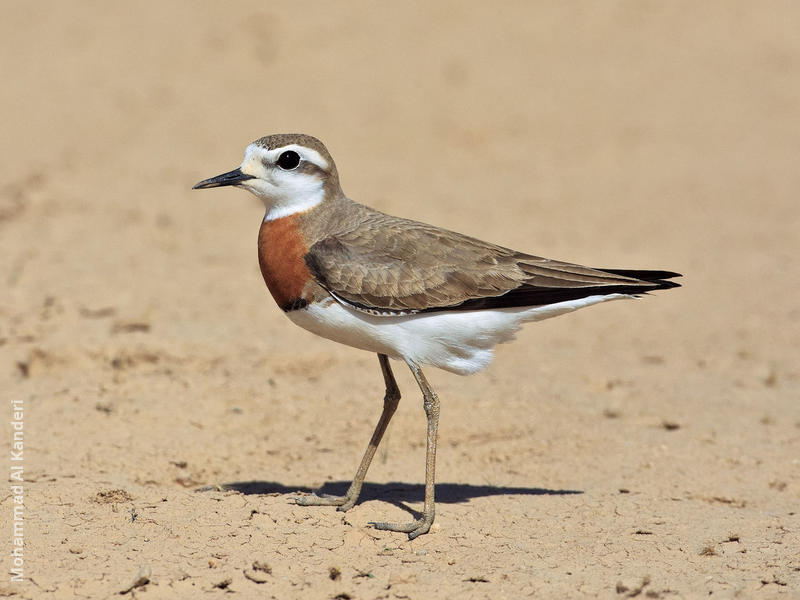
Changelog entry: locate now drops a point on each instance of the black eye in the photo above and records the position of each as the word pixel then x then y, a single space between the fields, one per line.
pixel 289 160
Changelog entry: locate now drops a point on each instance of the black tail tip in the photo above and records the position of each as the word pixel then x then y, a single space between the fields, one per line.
pixel 657 278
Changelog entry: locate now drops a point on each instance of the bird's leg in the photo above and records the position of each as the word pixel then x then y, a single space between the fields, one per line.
pixel 431 405
pixel 390 401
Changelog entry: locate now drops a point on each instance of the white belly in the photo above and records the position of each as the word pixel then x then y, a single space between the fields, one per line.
pixel 456 341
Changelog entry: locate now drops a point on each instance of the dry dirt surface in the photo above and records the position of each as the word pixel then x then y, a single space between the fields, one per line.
pixel 643 449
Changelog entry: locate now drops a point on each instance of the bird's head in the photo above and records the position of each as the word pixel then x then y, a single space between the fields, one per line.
pixel 290 173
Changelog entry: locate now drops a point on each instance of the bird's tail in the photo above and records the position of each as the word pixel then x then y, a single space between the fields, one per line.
pixel 658 278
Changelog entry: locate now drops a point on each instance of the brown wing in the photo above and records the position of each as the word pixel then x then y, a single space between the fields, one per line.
pixel 388 264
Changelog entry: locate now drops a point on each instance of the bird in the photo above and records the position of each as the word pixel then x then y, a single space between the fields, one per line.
pixel 401 289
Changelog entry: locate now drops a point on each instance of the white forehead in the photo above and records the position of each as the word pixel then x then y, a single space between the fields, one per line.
pixel 261 154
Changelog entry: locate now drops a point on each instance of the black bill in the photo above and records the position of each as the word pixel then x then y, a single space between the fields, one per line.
pixel 234 177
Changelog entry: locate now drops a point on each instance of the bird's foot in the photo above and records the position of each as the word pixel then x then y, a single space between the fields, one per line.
pixel 341 503
pixel 413 529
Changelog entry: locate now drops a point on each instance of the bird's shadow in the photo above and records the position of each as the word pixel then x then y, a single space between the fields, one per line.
pixel 395 492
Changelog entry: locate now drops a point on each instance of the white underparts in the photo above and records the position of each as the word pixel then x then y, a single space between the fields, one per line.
pixel 457 341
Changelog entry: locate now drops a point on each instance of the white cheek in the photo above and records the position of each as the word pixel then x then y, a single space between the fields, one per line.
pixel 295 185
pixel 260 188
pixel 283 192
pixel 293 193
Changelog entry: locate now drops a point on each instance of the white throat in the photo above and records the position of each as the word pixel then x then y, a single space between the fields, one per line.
pixel 283 193
pixel 283 207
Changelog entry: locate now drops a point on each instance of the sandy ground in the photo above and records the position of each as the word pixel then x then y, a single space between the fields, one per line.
pixel 647 448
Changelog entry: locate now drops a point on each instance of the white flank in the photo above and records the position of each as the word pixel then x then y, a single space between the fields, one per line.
pixel 284 193
pixel 457 341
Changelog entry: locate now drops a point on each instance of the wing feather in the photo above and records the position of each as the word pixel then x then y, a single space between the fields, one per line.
pixel 394 265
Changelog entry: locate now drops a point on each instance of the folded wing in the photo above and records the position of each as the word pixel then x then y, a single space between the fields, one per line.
pixel 389 265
